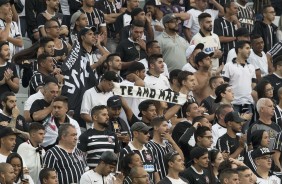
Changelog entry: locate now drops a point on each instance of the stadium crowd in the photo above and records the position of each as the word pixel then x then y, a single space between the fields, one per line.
pixel 175 92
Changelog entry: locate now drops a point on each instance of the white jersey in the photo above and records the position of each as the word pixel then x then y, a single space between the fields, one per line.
pixel 91 176
pixel 271 179
pixel 260 63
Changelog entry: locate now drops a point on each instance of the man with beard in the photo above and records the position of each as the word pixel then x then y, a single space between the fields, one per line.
pixel 197 172
pixel 172 45
pixel 162 143
pixel 98 137
pixel 208 38
pixel 174 164
pixel 114 64
pixel 11 116
pixel 58 117
pixel 9 80
pixel 51 12
pixel 231 142
pixel 138 145
pixel 7 142
pixel 242 77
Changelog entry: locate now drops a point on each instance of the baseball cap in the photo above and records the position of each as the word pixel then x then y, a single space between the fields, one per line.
pixel 259 152
pixel 74 18
pixel 233 116
pixel 4 2
pixel 84 30
pixel 110 76
pixel 191 49
pixel 6 131
pixel 109 157
pixel 153 3
pixel 220 89
pixel 144 105
pixel 140 127
pixel 197 152
pixel 135 66
pixel 168 17
pixel 202 55
pixel 114 101
pixel 242 31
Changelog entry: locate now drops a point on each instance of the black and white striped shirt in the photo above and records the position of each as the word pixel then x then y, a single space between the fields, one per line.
pixel 69 166
pixel 246 16
pixel 95 18
pixel 36 80
pixel 95 142
pixel 160 151
pixel 277 118
pixel 223 27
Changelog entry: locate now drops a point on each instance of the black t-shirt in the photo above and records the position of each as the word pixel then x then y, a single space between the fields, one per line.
pixel 194 177
pixel 20 125
pixel 37 106
pixel 276 83
pixel 209 104
pixel 10 67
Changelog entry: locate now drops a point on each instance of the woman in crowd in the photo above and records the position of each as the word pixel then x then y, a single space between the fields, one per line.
pixel 21 177
pixel 215 159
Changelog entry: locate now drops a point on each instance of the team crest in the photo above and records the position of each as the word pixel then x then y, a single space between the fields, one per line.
pixel 110 140
pixel 149 157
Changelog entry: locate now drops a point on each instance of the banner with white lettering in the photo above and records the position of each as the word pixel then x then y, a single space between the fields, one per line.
pixel 149 93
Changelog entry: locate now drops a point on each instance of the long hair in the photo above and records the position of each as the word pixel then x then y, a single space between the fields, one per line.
pixel 9 160
pixel 26 54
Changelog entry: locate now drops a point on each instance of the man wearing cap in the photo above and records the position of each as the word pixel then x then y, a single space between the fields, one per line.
pixel 95 17
pixel 263 159
pixel 78 21
pixel 265 110
pixel 172 45
pixel 98 138
pixel 204 63
pixel 103 173
pixel 242 34
pixel 97 95
pixel 154 79
pixel 117 124
pixel 140 132
pixel 66 158
pixel 7 174
pixel 231 142
pixel 208 38
pixel 219 128
pixel 9 31
pixel 139 14
pixel 192 26
pixel 9 80
pixel 8 142
pixel 191 52
pixel 197 172
pixel 134 47
pixel 258 57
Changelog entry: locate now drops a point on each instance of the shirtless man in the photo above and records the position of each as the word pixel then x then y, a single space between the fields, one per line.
pixel 203 75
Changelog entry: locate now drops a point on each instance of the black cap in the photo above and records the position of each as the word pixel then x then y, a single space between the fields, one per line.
pixel 233 116
pixel 140 127
pixel 168 17
pixel 4 2
pixel 109 157
pixel 242 31
pixel 114 101
pixel 218 90
pixel 6 131
pixel 135 66
pixel 202 55
pixel 259 152
pixel 84 30
pixel 144 105
pixel 110 76
pixel 197 152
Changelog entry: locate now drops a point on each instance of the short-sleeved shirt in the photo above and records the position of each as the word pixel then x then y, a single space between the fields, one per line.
pixel 91 176
pixel 95 18
pixel 259 62
pixel 37 106
pixel 95 142
pixel 160 82
pixel 240 78
pixel 246 16
pixel 193 176
pixel 7 67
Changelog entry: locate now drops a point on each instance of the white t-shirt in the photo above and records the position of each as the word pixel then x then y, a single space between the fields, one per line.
pixel 231 54
pixel 271 179
pixel 240 79
pixel 259 62
pixel 217 131
pixel 160 82
pixel 91 176
pixel 193 22
pixel 3 158
pixel 145 63
pixel 189 67
pixel 31 99
pixel 211 43
pixel 176 181
pixel 93 97
pixel 159 23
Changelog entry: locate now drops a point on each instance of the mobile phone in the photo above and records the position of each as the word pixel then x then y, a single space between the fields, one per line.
pixel 124 133
pixel 25 180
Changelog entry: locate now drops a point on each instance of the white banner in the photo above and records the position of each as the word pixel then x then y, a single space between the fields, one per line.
pixel 149 93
